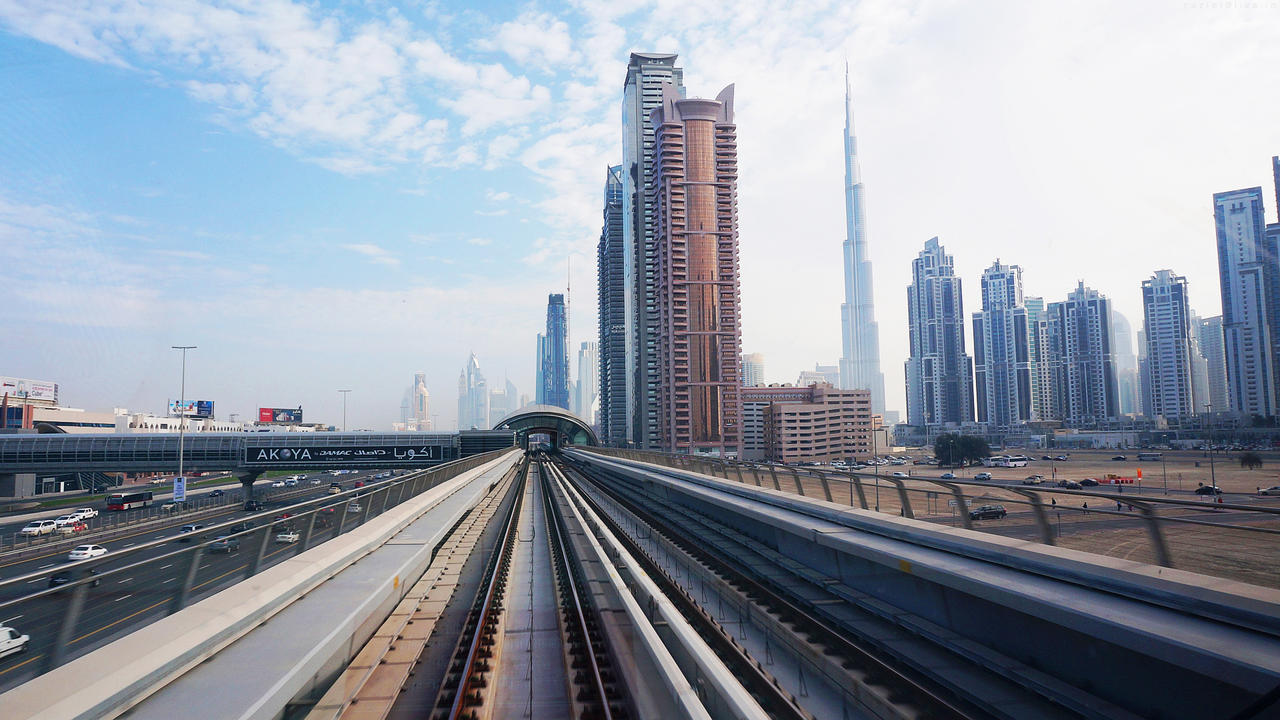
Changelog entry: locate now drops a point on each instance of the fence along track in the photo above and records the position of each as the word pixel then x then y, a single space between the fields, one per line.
pixel 374 679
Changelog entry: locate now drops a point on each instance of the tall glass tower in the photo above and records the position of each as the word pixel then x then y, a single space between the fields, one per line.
pixel 555 368
pixel 860 334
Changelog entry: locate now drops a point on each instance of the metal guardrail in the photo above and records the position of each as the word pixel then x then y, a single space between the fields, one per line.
pixel 786 478
pixel 305 518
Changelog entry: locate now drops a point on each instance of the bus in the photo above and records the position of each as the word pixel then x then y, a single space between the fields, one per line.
pixel 1150 456
pixel 128 501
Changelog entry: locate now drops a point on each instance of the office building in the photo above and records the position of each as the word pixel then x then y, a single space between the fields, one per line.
pixel 699 342
pixel 1042 407
pixel 584 399
pixel 1247 274
pixel 643 91
pixel 555 354
pixel 421 411
pixel 503 401
pixel 818 423
pixel 1002 361
pixel 1080 338
pixel 613 293
pixel 473 397
pixel 1129 393
pixel 820 373
pixel 542 361
pixel 860 334
pixel 1166 318
pixel 752 369
pixel 1212 348
pixel 939 374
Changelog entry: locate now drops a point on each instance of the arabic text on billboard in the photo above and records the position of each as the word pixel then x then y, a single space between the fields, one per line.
pixel 339 454
pixel 192 408
pixel 279 415
pixel 29 389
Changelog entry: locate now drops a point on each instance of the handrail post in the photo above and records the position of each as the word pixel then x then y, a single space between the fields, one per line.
pixel 795 475
pixel 1042 519
pixel 902 497
pixel 826 484
pixel 58 655
pixel 181 595
pixel 773 470
pixel 862 495
pixel 1157 538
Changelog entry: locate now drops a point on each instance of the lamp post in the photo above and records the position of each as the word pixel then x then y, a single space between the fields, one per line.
pixel 875 451
pixel 344 409
pixel 182 407
pixel 1208 418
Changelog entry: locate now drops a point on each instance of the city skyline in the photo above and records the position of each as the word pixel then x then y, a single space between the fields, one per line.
pixel 434 228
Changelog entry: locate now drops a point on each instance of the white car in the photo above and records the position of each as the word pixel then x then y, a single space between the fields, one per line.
pixel 291 482
pixel 278 483
pixel 62 520
pixel 899 473
pixel 1273 490
pixel 12 641
pixel 84 552
pixel 286 537
pixel 86 513
pixel 36 528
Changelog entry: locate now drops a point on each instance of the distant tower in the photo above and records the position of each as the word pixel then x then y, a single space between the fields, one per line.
pixel 1168 330
pixel 473 397
pixel 1084 365
pixel 752 369
pixel 421 402
pixel 1211 347
pixel 555 370
pixel 699 341
pixel 860 334
pixel 584 403
pixel 1002 351
pixel 613 292
pixel 939 372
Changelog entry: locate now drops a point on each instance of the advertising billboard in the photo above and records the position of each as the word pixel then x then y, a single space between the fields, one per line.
pixel 28 389
pixel 329 455
pixel 193 408
pixel 280 415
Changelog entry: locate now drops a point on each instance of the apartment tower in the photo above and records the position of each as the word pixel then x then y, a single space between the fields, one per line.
pixel 1167 328
pixel 610 263
pixel 1247 274
pixel 939 372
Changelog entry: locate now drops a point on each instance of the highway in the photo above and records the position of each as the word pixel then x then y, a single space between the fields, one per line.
pixel 125 600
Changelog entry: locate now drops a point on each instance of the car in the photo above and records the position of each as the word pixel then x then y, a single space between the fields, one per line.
pixel 85 552
pixel 359 483
pixel 186 532
pixel 1033 480
pixel 12 642
pixel 85 513
pixel 1089 482
pixel 36 528
pixel 291 482
pixel 1119 457
pixel 948 476
pixel 334 488
pixel 225 544
pixel 982 476
pixel 1061 458
pixel 1273 490
pixel 1045 457
pixel 1208 490
pixel 62 577
pixel 64 520
pixel 253 505
pixel 278 484
pixel 75 527
pixel 285 537
pixel 316 481
pixel 217 493
pixel 353 507
pixel 1070 484
pixel 240 527
pixel 988 512
pixel 899 473
pixel 169 506
pixel 283 516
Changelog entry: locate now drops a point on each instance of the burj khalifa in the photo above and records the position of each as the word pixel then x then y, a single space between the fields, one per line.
pixel 860 359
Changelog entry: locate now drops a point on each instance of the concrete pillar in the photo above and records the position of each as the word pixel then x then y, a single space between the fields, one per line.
pixel 17 486
pixel 247 478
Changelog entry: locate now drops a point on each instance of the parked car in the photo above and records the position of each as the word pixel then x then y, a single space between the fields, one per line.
pixel 1070 484
pixel 75 527
pixel 1273 490
pixel 1089 482
pixel 1208 490
pixel 169 506
pixel 224 544
pixel 948 476
pixel 85 552
pixel 62 577
pixel 1119 457
pixel 36 528
pixel 217 493
pixel 988 512
pixel 1045 457
pixel 12 642
pixel 982 476
pixel 285 537
pixel 899 473
pixel 186 532
pixel 1061 458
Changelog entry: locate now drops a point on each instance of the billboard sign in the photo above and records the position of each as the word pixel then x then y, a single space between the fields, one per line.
pixel 328 455
pixel 192 408
pixel 179 489
pixel 28 389
pixel 280 415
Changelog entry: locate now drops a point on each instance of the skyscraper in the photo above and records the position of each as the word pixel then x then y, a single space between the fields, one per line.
pixel 584 403
pixel 860 334
pixel 1129 392
pixel 1080 337
pixel 939 372
pixel 421 410
pixel 473 397
pixel 647 73
pixel 1002 362
pixel 1042 407
pixel 555 363
pixel 1166 316
pixel 752 369
pixel 543 361
pixel 1215 357
pixel 1247 273
pixel 610 261
pixel 699 342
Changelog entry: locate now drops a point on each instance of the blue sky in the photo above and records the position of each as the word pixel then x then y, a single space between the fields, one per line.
pixel 334 195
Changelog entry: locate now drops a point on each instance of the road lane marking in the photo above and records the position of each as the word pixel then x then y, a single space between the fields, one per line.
pixel 117 622
pixel 168 581
pixel 33 581
pixel 24 662
pixel 121 582
pixel 125 597
pixel 45 566
pixel 165 567
pixel 129 544
pixel 6 622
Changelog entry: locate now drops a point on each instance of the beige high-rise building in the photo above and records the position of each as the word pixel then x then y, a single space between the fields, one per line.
pixel 818 423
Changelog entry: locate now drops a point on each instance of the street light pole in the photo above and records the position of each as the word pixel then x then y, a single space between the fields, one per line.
pixel 182 405
pixel 1208 418
pixel 344 409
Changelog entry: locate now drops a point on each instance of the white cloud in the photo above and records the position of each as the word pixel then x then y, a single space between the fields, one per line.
pixel 479 241
pixel 496 196
pixel 534 39
pixel 375 254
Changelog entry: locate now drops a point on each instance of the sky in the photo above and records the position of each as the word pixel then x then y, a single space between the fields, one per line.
pixel 326 196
